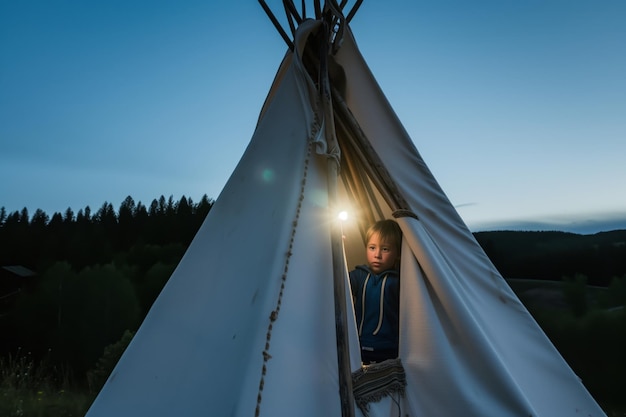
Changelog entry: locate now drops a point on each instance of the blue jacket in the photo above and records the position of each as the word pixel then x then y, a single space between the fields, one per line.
pixel 378 327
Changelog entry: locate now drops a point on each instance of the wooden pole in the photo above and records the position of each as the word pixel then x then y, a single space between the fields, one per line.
pixel 339 287
pixel 346 395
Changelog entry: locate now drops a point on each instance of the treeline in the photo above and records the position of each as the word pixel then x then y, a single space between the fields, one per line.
pixel 97 274
pixel 554 255
pixel 86 238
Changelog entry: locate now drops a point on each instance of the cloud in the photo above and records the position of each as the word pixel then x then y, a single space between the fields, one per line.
pixel 464 205
pixel 581 224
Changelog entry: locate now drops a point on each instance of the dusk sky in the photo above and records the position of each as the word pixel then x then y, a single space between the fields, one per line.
pixel 517 107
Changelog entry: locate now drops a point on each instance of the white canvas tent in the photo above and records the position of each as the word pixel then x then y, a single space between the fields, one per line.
pixel 251 321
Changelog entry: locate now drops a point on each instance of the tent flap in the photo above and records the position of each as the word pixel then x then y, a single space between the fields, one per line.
pixel 246 324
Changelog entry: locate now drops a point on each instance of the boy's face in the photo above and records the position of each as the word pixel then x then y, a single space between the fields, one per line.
pixel 381 255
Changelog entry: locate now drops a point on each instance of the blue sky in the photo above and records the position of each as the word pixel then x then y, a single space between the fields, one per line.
pixel 518 107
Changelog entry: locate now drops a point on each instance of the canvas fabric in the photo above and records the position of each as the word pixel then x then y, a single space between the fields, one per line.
pixel 245 325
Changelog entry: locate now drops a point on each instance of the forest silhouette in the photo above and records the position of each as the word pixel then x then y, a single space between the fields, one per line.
pixel 96 274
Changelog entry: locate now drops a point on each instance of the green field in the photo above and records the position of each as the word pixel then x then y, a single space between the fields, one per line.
pixel 587 324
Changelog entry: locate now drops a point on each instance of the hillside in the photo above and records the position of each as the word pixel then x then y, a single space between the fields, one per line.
pixel 555 255
pixel 61 312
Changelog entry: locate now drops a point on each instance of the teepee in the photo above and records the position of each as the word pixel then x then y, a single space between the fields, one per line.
pixel 257 320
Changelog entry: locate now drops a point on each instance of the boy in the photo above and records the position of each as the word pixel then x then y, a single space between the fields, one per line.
pixel 376 293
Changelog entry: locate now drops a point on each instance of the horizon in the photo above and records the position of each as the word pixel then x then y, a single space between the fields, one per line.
pixel 517 109
pixel 588 225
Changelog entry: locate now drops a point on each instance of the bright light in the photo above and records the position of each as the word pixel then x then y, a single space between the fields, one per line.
pixel 343 215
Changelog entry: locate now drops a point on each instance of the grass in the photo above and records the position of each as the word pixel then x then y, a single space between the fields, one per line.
pixel 37 389
pixel 31 389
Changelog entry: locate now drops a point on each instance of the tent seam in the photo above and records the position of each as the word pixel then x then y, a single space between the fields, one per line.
pixel 274 314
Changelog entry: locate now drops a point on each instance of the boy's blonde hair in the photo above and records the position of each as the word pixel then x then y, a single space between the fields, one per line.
pixel 388 230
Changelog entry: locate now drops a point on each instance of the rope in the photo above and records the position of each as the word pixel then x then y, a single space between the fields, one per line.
pixel 274 314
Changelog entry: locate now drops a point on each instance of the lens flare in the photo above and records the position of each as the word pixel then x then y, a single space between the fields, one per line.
pixel 268 175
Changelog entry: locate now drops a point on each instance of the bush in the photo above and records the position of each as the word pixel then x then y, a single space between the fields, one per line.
pixel 112 354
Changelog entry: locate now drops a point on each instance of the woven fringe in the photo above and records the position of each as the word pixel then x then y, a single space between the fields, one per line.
pixel 373 382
